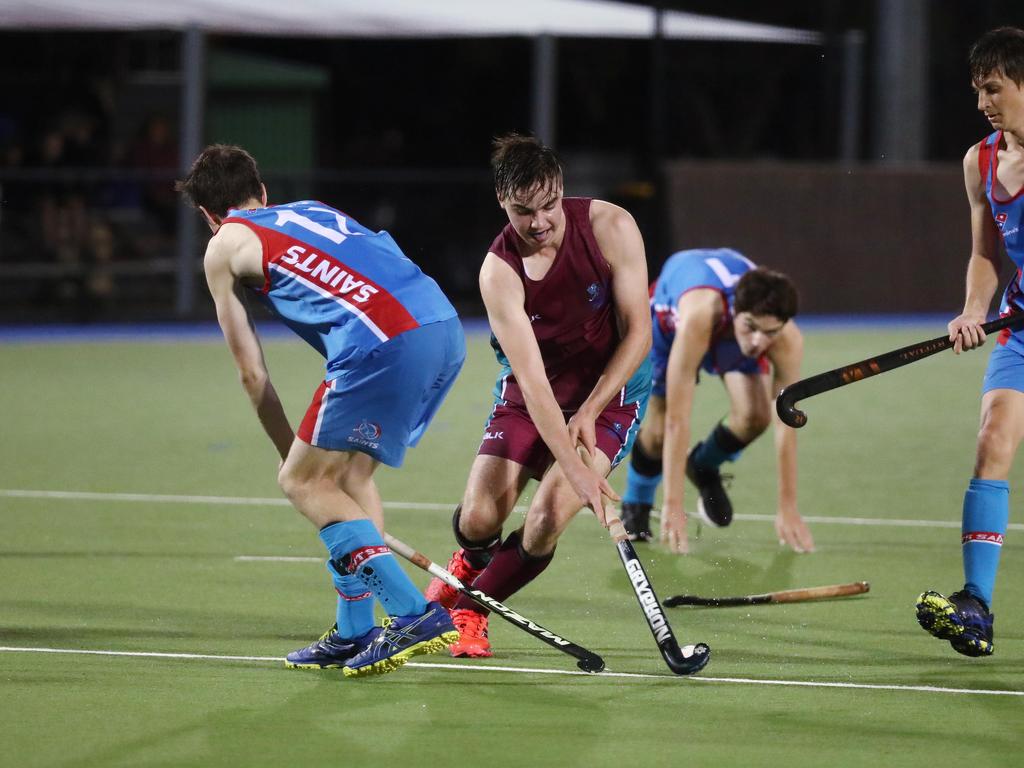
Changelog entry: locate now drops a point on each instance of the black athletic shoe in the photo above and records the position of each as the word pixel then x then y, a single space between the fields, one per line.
pixel 636 517
pixel 714 506
pixel 961 618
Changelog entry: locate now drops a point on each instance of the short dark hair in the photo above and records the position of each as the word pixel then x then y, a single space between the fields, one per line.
pixel 221 178
pixel 763 291
pixel 998 50
pixel 523 164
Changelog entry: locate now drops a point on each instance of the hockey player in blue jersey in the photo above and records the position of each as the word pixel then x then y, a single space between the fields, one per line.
pixel 713 310
pixel 393 346
pixel 994 177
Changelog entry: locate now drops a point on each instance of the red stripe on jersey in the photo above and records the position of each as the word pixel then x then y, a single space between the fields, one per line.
pixel 331 276
pixel 364 555
pixel 989 537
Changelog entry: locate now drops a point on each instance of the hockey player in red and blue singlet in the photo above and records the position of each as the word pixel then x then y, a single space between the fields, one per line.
pixel 393 346
pixel 994 177
pixel 715 311
pixel 565 286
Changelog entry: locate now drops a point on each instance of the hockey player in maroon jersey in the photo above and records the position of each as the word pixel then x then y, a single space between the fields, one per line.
pixel 565 286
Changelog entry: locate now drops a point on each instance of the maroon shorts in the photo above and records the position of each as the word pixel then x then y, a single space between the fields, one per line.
pixel 510 434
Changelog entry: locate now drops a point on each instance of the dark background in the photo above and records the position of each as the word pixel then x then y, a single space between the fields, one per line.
pixel 723 144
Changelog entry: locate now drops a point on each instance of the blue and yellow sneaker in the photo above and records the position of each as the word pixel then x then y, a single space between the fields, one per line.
pixel 330 651
pixel 962 619
pixel 403 638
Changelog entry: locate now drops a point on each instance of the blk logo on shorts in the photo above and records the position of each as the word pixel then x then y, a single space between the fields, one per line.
pixel 500 435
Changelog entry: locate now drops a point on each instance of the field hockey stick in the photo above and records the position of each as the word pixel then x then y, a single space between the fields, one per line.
pixel 588 661
pixel 785 404
pixel 682 661
pixel 784 596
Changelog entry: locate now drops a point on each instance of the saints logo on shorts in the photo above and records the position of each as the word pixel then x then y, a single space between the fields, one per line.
pixel 367 434
pixel 368 430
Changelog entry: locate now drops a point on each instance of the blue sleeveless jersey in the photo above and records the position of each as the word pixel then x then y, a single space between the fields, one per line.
pixel 340 286
pixel 1009 218
pixel 718 269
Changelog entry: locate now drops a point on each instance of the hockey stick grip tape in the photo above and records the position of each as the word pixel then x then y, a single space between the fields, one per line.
pixel 617 530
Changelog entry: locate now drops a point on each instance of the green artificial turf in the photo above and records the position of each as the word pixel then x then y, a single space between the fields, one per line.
pixel 157 573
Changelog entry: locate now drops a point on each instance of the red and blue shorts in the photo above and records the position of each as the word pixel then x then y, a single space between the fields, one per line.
pixel 384 403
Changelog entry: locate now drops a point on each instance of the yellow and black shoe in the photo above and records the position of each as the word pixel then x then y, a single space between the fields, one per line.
pixel 962 619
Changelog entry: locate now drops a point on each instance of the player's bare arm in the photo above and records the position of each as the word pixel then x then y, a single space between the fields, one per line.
pixel 623 247
pixel 697 313
pixel 503 296
pixel 786 356
pixel 983 267
pixel 230 259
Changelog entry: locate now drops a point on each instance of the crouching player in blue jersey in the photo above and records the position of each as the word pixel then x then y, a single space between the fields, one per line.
pixel 994 176
pixel 714 310
pixel 393 346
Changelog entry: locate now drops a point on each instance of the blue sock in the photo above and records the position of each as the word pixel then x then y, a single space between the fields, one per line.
pixel 640 489
pixel 717 448
pixel 986 514
pixel 359 546
pixel 355 604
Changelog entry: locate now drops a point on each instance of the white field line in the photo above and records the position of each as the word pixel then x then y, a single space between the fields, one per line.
pixel 157 498
pixel 455 667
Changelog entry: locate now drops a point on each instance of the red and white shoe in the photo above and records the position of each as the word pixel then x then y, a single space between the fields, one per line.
pixel 439 592
pixel 472 642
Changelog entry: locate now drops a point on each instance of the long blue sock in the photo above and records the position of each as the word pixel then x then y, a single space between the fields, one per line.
pixel 355 603
pixel 717 448
pixel 640 489
pixel 986 514
pixel 358 546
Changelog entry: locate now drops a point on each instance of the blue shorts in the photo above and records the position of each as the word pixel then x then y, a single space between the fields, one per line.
pixel 723 357
pixel 384 404
pixel 1005 370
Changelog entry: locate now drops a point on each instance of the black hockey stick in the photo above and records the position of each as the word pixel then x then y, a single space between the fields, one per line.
pixel 682 661
pixel 785 404
pixel 783 596
pixel 588 661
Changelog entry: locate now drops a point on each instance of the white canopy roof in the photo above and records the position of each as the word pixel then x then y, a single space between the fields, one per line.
pixel 389 18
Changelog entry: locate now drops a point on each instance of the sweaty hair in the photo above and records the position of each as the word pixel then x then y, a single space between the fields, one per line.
pixel 522 164
pixel 763 291
pixel 999 50
pixel 222 177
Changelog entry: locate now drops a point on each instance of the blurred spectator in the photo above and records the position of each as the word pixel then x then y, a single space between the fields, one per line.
pixel 156 150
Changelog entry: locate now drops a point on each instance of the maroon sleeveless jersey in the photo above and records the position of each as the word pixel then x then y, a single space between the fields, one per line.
pixel 570 308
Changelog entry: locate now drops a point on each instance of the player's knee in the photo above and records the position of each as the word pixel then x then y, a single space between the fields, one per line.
pixel 749 424
pixel 477 520
pixel 471 523
pixel 995 448
pixel 651 440
pixel 544 524
pixel 293 484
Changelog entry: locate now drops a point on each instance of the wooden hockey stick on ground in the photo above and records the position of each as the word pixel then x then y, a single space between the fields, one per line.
pixel 785 596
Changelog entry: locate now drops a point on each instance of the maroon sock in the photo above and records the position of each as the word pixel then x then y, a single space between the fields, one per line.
pixel 511 569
